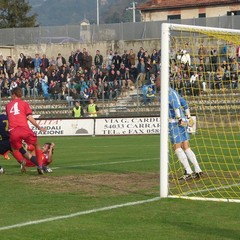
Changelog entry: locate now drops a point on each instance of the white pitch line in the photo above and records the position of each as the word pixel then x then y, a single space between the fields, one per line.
pixel 104 163
pixel 20 225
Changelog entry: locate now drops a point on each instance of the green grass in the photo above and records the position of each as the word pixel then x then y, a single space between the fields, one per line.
pixel 96 172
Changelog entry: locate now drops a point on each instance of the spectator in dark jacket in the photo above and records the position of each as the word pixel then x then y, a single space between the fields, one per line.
pixel 22 61
pixel 98 60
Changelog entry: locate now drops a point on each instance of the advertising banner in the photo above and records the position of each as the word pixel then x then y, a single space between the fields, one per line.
pixel 65 127
pixel 132 126
pixel 102 126
pixel 127 126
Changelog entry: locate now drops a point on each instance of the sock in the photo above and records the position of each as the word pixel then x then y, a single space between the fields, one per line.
pixel 192 157
pixel 184 160
pixel 39 157
pixel 18 156
pixel 5 155
pixel 44 168
pixel 33 159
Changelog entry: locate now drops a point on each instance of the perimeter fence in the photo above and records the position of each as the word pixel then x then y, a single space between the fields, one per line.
pixel 103 32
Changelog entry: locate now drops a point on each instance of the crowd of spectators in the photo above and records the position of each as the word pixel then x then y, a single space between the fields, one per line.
pixel 193 70
pixel 80 75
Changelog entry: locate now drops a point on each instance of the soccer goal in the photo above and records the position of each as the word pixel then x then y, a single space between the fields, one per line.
pixel 202 65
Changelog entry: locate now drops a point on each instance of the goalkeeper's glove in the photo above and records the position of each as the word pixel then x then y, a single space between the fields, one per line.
pixel 181 122
pixel 190 121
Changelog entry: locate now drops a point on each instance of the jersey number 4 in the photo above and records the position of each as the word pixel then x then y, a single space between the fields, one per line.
pixel 15 110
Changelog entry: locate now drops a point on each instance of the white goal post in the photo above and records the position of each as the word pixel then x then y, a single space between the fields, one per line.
pixel 220 182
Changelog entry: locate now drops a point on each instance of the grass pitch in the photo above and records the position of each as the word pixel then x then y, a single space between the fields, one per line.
pixel 87 196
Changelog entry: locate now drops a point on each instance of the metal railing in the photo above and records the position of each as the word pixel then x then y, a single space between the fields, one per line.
pixel 103 32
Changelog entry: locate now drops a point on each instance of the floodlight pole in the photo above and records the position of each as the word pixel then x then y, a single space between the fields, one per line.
pixel 134 10
pixel 97 12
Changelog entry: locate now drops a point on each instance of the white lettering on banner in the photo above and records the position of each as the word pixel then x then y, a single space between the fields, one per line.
pixel 125 126
pixel 65 127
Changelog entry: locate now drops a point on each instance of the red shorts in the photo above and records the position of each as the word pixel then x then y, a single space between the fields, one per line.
pixel 22 133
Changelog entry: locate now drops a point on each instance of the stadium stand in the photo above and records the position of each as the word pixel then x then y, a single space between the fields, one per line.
pixel 53 84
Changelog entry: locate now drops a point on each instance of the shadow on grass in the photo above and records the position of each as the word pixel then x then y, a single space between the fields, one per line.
pixel 210 231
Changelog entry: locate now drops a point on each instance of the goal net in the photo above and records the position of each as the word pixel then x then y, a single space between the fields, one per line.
pixel 202 65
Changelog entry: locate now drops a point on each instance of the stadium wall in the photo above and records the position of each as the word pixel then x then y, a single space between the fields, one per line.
pixel 66 48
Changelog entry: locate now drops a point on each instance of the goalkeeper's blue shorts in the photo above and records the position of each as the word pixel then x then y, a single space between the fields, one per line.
pixel 177 133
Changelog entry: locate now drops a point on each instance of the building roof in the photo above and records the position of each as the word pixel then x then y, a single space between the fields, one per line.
pixel 84 21
pixel 173 4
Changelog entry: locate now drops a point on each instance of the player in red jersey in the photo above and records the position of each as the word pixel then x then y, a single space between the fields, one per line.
pixel 19 113
pixel 47 155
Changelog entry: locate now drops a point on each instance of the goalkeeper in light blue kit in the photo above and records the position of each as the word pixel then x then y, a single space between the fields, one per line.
pixel 179 116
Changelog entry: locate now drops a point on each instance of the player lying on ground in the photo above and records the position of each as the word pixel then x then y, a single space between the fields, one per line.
pixel 5 148
pixel 47 157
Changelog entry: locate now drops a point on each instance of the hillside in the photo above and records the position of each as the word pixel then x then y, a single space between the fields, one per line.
pixel 61 12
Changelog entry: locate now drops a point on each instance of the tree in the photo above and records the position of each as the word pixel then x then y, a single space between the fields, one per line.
pixel 113 18
pixel 16 13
